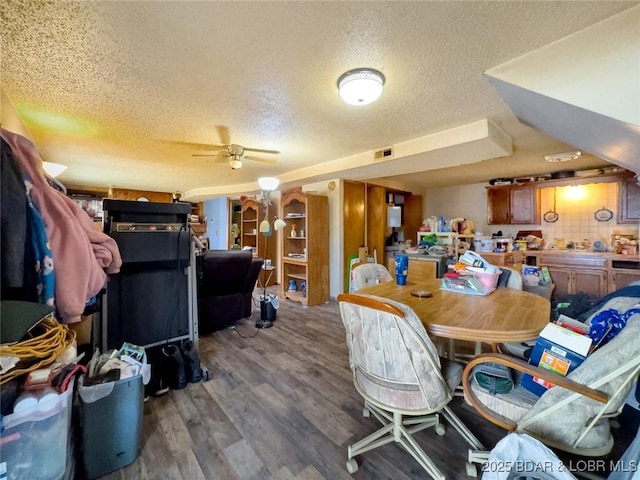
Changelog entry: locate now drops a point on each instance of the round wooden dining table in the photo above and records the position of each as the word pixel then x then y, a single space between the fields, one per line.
pixel 502 316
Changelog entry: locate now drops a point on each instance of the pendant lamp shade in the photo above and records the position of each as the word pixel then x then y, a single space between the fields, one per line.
pixel 268 184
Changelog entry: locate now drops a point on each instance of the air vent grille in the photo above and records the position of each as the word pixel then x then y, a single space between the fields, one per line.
pixel 385 153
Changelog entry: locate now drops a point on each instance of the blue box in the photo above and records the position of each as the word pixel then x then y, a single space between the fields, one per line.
pixel 558 350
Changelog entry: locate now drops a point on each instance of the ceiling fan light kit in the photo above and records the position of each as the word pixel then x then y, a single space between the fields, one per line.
pixel 234 154
pixel 235 163
pixel 361 86
pixel 563 157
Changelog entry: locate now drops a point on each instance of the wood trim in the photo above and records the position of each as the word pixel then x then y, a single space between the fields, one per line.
pixel 524 367
pixel 369 302
pixel 564 182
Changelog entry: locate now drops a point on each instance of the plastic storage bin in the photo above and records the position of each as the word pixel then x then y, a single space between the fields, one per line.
pixel 111 424
pixel 35 441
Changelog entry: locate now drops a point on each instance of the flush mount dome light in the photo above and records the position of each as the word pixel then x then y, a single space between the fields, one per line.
pixel 361 86
pixel 563 157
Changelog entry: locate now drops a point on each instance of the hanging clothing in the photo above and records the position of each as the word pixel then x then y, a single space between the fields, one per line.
pixel 43 258
pixel 13 227
pixel 81 252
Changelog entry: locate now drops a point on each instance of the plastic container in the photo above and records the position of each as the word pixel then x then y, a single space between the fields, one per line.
pixel 35 440
pixel 486 244
pixel 111 424
pixel 489 280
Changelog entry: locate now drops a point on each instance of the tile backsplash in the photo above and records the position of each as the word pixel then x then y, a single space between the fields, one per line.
pixel 576 207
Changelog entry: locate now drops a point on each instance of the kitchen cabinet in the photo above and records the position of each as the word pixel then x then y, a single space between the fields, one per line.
pixel 628 200
pixel 622 277
pixel 519 205
pixel 623 273
pixel 252 213
pixel 573 274
pixel 305 254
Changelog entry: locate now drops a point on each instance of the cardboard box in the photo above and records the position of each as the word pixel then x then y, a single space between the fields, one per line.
pixel 559 350
pixel 83 329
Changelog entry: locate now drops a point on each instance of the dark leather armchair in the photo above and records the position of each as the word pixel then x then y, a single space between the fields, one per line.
pixel 226 280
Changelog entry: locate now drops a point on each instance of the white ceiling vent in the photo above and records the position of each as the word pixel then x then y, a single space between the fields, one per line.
pixel 385 153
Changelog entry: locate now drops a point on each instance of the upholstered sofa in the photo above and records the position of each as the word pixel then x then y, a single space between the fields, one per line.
pixel 226 280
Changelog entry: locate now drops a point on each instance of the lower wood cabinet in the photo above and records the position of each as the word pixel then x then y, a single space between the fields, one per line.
pixel 572 275
pixel 622 277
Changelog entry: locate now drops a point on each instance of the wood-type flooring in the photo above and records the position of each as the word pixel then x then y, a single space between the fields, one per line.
pixel 281 404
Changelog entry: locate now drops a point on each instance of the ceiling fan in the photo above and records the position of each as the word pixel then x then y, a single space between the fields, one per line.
pixel 235 154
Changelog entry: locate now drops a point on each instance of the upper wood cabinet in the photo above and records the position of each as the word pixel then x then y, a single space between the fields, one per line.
pixel 513 205
pixel 628 201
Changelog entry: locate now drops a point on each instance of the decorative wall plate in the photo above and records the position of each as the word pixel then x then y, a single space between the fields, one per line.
pixel 603 215
pixel 550 216
pixel 331 186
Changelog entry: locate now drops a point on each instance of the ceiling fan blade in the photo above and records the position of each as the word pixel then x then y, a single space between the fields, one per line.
pixel 199 146
pixel 271 161
pixel 260 150
pixel 220 154
pixel 223 134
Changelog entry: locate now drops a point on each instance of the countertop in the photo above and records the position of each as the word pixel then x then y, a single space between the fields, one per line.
pixel 584 253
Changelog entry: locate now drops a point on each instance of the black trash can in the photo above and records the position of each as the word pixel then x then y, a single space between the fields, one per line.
pixel 111 423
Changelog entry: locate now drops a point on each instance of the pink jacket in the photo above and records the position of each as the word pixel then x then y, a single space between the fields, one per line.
pixel 80 252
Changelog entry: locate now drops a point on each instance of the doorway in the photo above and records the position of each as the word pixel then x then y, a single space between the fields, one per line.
pixel 235 222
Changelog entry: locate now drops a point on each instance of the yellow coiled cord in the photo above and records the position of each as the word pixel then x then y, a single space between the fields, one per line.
pixel 38 351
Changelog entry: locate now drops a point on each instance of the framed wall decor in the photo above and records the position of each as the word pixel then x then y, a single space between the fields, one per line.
pixel 603 215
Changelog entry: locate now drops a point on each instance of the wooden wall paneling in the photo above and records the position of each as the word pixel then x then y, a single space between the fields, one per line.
pixel 412 217
pixel 353 223
pixel 376 220
pixel 126 194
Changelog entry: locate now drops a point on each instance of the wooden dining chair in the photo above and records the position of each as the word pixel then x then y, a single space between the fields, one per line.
pixel 366 273
pixel 396 369
pixel 574 415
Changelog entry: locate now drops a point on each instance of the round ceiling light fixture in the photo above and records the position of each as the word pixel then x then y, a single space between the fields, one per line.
pixel 563 157
pixel 361 86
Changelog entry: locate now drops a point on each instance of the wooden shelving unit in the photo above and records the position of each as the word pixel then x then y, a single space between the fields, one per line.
pixel 305 256
pixel 264 247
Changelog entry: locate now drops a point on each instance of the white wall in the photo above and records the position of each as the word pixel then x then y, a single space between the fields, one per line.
pixel 336 233
pixel 466 201
pixel 217 223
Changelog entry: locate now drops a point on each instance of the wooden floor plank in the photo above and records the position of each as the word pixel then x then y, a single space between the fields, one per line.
pixel 282 405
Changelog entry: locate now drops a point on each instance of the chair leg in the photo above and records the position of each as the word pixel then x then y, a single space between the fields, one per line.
pixel 476 456
pixel 461 428
pixel 395 429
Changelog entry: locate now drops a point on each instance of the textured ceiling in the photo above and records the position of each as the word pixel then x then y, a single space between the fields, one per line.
pixel 112 88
